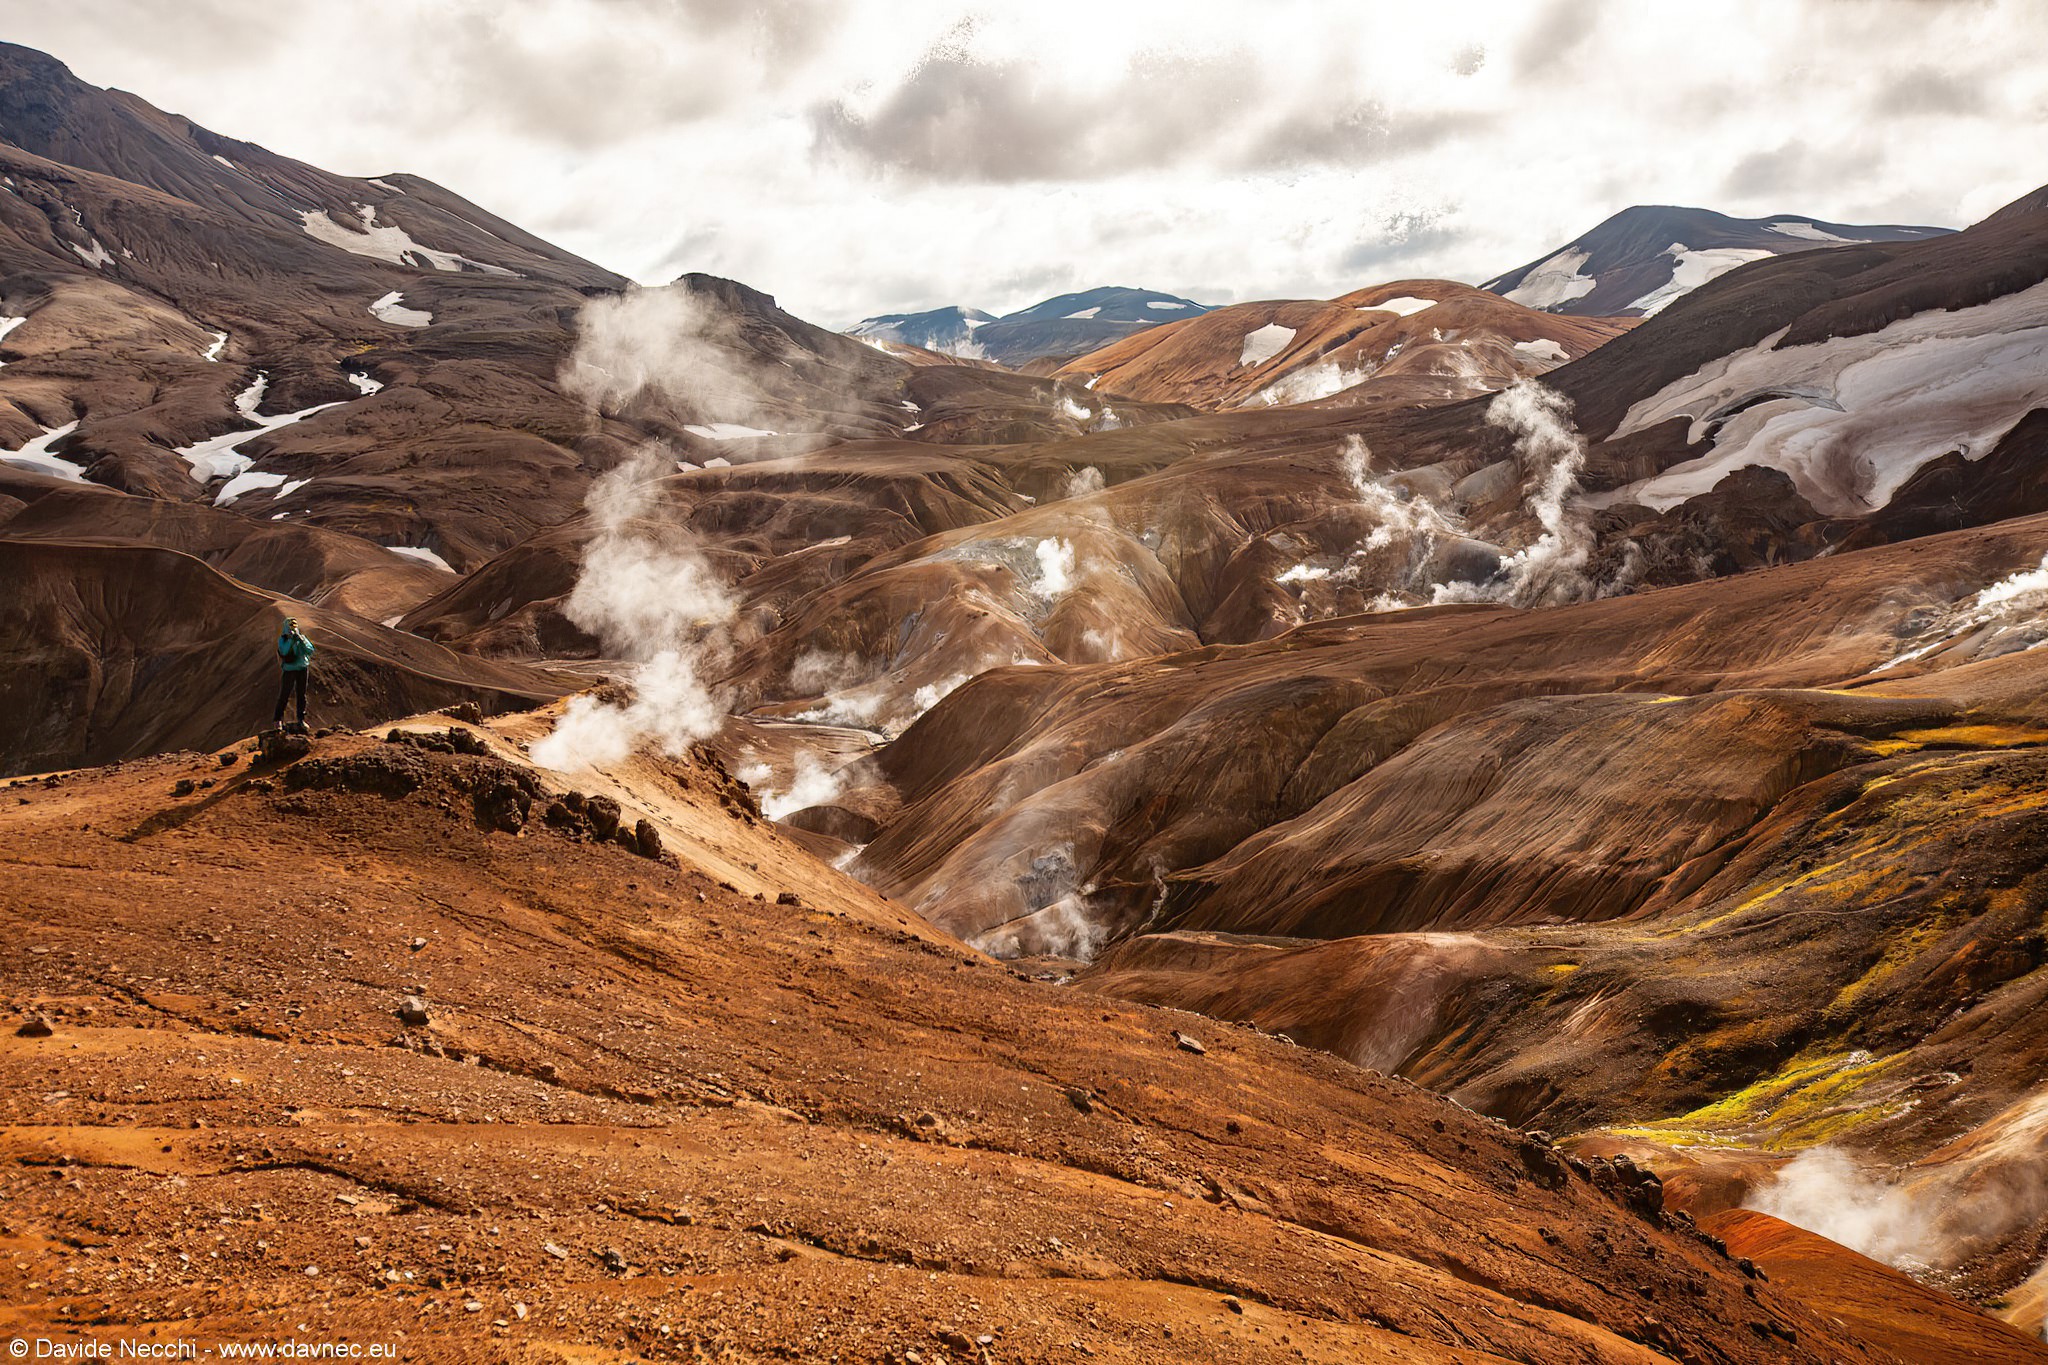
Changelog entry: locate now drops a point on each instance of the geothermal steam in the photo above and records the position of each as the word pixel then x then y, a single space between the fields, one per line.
pixel 1551 570
pixel 648 594
pixel 645 589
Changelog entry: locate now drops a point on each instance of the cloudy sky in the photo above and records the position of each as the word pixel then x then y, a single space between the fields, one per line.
pixel 855 157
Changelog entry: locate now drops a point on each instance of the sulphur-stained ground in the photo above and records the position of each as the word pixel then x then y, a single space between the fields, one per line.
pixel 386 1045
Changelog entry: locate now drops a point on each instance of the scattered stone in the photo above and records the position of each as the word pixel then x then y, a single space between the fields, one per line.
pixel 789 898
pixel 604 817
pixel 647 839
pixel 35 1026
pixel 1232 1304
pixel 227 760
pixel 614 1261
pixel 559 1253
pixel 1188 1044
pixel 472 1306
pixel 1080 1099
pixel 465 711
pixel 412 1012
pixel 416 944
pixel 959 1341
pixel 185 787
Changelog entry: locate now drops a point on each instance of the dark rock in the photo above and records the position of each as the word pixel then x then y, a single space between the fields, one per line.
pixel 503 805
pixel 412 1012
pixel 465 711
pixel 185 787
pixel 380 772
pixel 647 839
pixel 789 898
pixel 35 1026
pixel 604 817
pixel 281 746
pixel 1188 1044
pixel 227 760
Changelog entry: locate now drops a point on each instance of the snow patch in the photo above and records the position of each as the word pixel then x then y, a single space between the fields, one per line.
pixel 393 244
pixel 1850 419
pixel 1162 304
pixel 1405 306
pixel 225 162
pixel 1086 312
pixel 387 309
pixel 248 481
pixel 96 257
pixel 218 457
pixel 365 383
pixel 383 186
pixel 1807 232
pixel 1262 345
pixel 422 554
pixel 1691 269
pixel 211 353
pixel 1554 283
pixel 1542 348
pixel 36 455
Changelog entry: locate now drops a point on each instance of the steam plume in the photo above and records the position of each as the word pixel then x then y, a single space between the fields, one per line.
pixel 649 595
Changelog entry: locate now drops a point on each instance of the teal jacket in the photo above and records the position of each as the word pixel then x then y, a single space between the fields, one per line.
pixel 294 651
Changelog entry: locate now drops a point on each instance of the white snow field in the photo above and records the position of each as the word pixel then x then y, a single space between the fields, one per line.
pixel 1085 312
pixel 36 455
pixel 1262 345
pixel 1162 304
pixel 393 244
pixel 388 309
pixel 1542 348
pixel 1850 419
pixel 1691 269
pixel 1554 282
pixel 212 353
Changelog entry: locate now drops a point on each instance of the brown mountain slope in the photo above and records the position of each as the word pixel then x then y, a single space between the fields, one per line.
pixel 644 1114
pixel 1408 343
pixel 113 650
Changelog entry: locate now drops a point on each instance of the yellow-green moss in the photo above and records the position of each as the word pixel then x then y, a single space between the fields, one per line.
pixel 1807 1102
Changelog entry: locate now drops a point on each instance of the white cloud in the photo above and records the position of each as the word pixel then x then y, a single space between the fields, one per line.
pixel 888 155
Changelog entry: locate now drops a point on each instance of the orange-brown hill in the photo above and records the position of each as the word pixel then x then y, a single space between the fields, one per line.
pixel 1408 343
pixel 720 1102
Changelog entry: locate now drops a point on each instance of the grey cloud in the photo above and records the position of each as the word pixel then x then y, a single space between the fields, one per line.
pixel 1803 172
pixel 1357 135
pixel 1564 26
pixel 1927 90
pixel 956 118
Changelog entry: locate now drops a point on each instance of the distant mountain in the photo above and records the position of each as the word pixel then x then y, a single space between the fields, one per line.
pixel 949 330
pixel 1068 325
pixel 1637 262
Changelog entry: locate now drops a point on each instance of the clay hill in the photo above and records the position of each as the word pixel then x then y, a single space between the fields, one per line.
pixel 1412 343
pixel 1642 259
pixel 409 1042
pixel 1067 325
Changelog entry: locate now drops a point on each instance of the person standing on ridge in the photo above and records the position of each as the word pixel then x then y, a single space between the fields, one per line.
pixel 295 656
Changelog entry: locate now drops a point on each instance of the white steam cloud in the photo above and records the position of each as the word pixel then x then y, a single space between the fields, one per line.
pixel 1823 1191
pixel 811 783
pixel 1551 570
pixel 646 589
pixel 1084 481
pixel 650 597
pixel 2009 616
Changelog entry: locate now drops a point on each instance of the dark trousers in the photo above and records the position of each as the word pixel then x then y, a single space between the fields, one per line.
pixel 294 681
